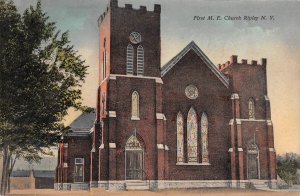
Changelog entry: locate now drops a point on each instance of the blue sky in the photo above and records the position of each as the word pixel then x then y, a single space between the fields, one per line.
pixel 277 40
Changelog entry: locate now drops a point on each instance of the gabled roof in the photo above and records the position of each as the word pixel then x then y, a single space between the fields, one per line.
pixel 83 124
pixel 193 46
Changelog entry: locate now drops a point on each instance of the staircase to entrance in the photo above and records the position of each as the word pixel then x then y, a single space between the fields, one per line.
pixel 137 185
pixel 260 184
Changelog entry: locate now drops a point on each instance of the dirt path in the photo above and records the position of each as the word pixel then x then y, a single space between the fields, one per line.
pixel 193 192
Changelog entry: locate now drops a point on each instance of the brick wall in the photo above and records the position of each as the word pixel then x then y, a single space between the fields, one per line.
pixel 214 101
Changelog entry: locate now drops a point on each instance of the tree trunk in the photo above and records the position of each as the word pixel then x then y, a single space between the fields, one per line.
pixel 5 170
pixel 12 164
pixel 3 182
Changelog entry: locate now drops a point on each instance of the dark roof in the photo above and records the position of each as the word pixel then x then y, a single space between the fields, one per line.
pixel 43 174
pixel 84 122
pixel 20 173
pixel 36 174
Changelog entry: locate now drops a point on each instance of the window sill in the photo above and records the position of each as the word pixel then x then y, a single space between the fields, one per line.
pixel 192 163
pixel 135 118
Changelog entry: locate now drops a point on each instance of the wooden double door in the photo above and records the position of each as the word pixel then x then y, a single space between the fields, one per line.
pixel 134 164
pixel 253 166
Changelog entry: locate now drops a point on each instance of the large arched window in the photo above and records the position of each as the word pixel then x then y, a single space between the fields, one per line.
pixel 192 135
pixel 129 63
pixel 180 138
pixel 251 108
pixel 140 60
pixel 204 138
pixel 135 106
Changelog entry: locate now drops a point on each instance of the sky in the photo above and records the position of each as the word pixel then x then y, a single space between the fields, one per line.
pixel 277 40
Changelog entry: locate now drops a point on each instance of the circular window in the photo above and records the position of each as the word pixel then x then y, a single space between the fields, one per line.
pixel 191 92
pixel 135 37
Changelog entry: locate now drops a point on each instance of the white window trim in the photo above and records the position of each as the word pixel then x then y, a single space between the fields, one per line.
pixel 192 163
pixel 135 118
pixel 140 60
pixel 82 168
pixel 129 59
pixel 114 77
pixel 138 106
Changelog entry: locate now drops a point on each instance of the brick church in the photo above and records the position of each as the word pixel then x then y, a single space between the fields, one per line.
pixel 186 124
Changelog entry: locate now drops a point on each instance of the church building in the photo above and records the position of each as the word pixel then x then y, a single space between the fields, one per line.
pixel 186 124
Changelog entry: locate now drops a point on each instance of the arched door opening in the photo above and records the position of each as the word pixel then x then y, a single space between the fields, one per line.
pixel 134 159
pixel 253 161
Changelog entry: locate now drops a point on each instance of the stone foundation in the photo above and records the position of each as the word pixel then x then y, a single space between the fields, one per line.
pixel 80 186
pixel 93 184
pixel 168 184
pixel 71 186
pixel 273 184
pixel 183 184
pixel 116 186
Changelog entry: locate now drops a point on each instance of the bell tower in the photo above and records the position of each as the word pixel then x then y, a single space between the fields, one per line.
pixel 129 41
pixel 252 151
pixel 129 96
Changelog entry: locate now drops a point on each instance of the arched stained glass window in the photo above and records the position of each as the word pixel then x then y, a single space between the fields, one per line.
pixel 251 107
pixel 129 63
pixel 135 106
pixel 204 138
pixel 180 137
pixel 133 143
pixel 192 135
pixel 140 60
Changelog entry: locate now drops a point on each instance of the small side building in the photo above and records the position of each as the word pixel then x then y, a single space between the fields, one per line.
pixel 72 171
pixel 30 179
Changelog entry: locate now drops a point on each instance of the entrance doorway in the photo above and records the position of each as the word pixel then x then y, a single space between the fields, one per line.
pixel 253 161
pixel 134 159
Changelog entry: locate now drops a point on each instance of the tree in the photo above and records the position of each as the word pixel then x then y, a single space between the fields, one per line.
pixel 287 167
pixel 40 78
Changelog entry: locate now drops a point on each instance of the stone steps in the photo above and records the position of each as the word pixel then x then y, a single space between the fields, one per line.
pixel 258 184
pixel 137 185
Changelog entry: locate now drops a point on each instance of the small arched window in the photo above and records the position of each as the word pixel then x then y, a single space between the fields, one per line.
pixel 135 106
pixel 104 61
pixel 204 138
pixel 140 60
pixel 251 108
pixel 103 103
pixel 180 138
pixel 192 136
pixel 129 63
